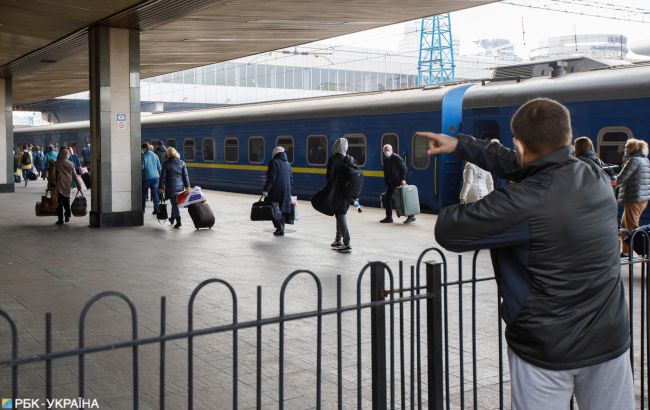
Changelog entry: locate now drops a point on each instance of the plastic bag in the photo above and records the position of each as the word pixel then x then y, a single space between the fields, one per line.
pixel 189 197
pixel 294 206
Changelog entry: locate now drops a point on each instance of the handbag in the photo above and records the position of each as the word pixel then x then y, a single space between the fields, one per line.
pixel 265 211
pixel 47 206
pixel 161 212
pixel 326 200
pixel 79 206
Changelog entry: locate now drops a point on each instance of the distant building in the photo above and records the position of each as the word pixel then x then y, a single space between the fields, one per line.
pixel 598 46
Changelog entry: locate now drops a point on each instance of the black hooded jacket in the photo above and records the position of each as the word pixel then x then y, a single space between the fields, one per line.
pixel 553 236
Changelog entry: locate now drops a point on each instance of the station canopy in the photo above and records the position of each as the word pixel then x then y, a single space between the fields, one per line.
pixel 44 43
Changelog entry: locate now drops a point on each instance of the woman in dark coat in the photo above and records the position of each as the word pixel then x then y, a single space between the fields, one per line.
pixel 340 157
pixel 279 180
pixel 173 179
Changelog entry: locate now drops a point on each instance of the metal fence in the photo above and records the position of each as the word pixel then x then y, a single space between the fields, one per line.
pixel 425 337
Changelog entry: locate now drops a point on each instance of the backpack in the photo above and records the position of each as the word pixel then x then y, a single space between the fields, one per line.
pixel 25 159
pixel 39 158
pixel 350 179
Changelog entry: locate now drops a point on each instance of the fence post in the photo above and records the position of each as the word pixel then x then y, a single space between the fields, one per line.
pixel 378 335
pixel 434 335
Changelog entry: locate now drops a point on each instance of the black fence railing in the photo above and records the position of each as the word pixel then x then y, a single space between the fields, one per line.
pixel 444 354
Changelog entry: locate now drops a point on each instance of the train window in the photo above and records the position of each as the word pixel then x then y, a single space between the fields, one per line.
pixel 357 147
pixel 419 148
pixel 231 149
pixel 486 130
pixel 392 140
pixel 208 149
pixel 171 143
pixel 256 150
pixel 286 142
pixel 155 143
pixel 316 150
pixel 188 149
pixel 611 144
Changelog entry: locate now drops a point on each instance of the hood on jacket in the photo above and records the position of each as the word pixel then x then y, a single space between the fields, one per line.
pixel 281 156
pixel 340 146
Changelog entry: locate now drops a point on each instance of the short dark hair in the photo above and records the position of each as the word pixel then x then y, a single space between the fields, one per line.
pixel 145 145
pixel 581 145
pixel 543 125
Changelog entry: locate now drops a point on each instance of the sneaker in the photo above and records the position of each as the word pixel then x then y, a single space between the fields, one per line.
pixel 386 220
pixel 178 225
pixel 409 220
pixel 345 249
pixel 337 244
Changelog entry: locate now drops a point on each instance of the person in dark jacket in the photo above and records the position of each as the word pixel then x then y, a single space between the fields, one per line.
pixel 338 159
pixel 86 154
pixel 150 166
pixel 173 179
pixel 394 176
pixel 634 183
pixel 584 150
pixel 553 240
pixel 161 151
pixel 279 180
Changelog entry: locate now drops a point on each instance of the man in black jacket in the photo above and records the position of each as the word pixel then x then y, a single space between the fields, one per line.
pixel 394 176
pixel 554 247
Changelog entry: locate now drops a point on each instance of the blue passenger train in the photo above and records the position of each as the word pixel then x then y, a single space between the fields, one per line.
pixel 229 148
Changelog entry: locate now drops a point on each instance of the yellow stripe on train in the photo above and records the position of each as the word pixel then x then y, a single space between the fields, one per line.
pixel 297 170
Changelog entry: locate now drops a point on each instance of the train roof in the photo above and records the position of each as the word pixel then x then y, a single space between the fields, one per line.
pixel 603 84
pixel 375 103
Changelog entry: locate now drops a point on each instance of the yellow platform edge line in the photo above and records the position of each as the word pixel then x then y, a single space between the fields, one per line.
pixel 296 170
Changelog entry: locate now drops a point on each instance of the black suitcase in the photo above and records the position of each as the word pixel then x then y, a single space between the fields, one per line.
pixel 87 180
pixel 265 211
pixel 201 215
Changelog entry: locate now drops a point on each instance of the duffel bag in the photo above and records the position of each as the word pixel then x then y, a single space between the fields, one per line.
pixel 326 200
pixel 265 211
pixel 79 206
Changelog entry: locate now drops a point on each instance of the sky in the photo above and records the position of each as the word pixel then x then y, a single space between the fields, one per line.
pixel 505 21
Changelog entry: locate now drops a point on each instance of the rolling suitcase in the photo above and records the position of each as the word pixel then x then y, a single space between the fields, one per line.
pixel 201 215
pixel 407 201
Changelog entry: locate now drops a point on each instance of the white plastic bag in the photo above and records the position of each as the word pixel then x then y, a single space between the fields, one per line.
pixel 294 205
pixel 192 196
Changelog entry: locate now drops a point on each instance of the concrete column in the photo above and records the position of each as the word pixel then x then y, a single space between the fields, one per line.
pixel 6 137
pixel 115 127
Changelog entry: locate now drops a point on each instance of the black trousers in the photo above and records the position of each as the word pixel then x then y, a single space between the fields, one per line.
pixel 63 202
pixel 388 200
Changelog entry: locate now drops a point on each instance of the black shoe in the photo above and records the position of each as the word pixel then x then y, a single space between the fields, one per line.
pixel 386 220
pixel 345 249
pixel 155 212
pixel 171 220
pixel 59 222
pixel 336 245
pixel 278 232
pixel 178 225
pixel 409 220
pixel 67 219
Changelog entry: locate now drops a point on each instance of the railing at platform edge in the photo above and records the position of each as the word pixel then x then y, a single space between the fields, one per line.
pixel 435 292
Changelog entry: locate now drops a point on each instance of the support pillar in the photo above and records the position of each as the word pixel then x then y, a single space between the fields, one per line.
pixel 6 137
pixel 115 127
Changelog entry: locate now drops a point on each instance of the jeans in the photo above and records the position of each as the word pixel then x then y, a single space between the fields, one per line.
pixel 388 199
pixel 62 202
pixel 176 213
pixel 26 173
pixel 342 231
pixel 153 185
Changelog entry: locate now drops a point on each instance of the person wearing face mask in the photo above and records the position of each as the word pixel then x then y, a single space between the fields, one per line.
pixel 394 176
pixel 553 239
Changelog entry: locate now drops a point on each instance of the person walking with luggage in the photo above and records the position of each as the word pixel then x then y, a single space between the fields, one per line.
pixel 26 163
pixel 39 161
pixel 50 158
pixel 477 183
pixel 279 180
pixel 150 176
pixel 173 179
pixel 65 174
pixel 335 163
pixel 634 183
pixel 394 176
pixel 563 303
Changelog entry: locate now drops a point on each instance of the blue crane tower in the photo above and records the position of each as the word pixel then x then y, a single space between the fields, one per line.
pixel 436 58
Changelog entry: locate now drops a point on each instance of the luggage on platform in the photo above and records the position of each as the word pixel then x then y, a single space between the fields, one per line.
pixel 201 215
pixel 161 213
pixel 265 211
pixel 79 206
pixel 87 180
pixel 407 200
pixel 47 206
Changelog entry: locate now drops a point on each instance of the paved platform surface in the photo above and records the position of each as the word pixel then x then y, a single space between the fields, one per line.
pixel 57 269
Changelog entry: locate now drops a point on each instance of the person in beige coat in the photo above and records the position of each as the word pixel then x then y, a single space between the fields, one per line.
pixel 65 173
